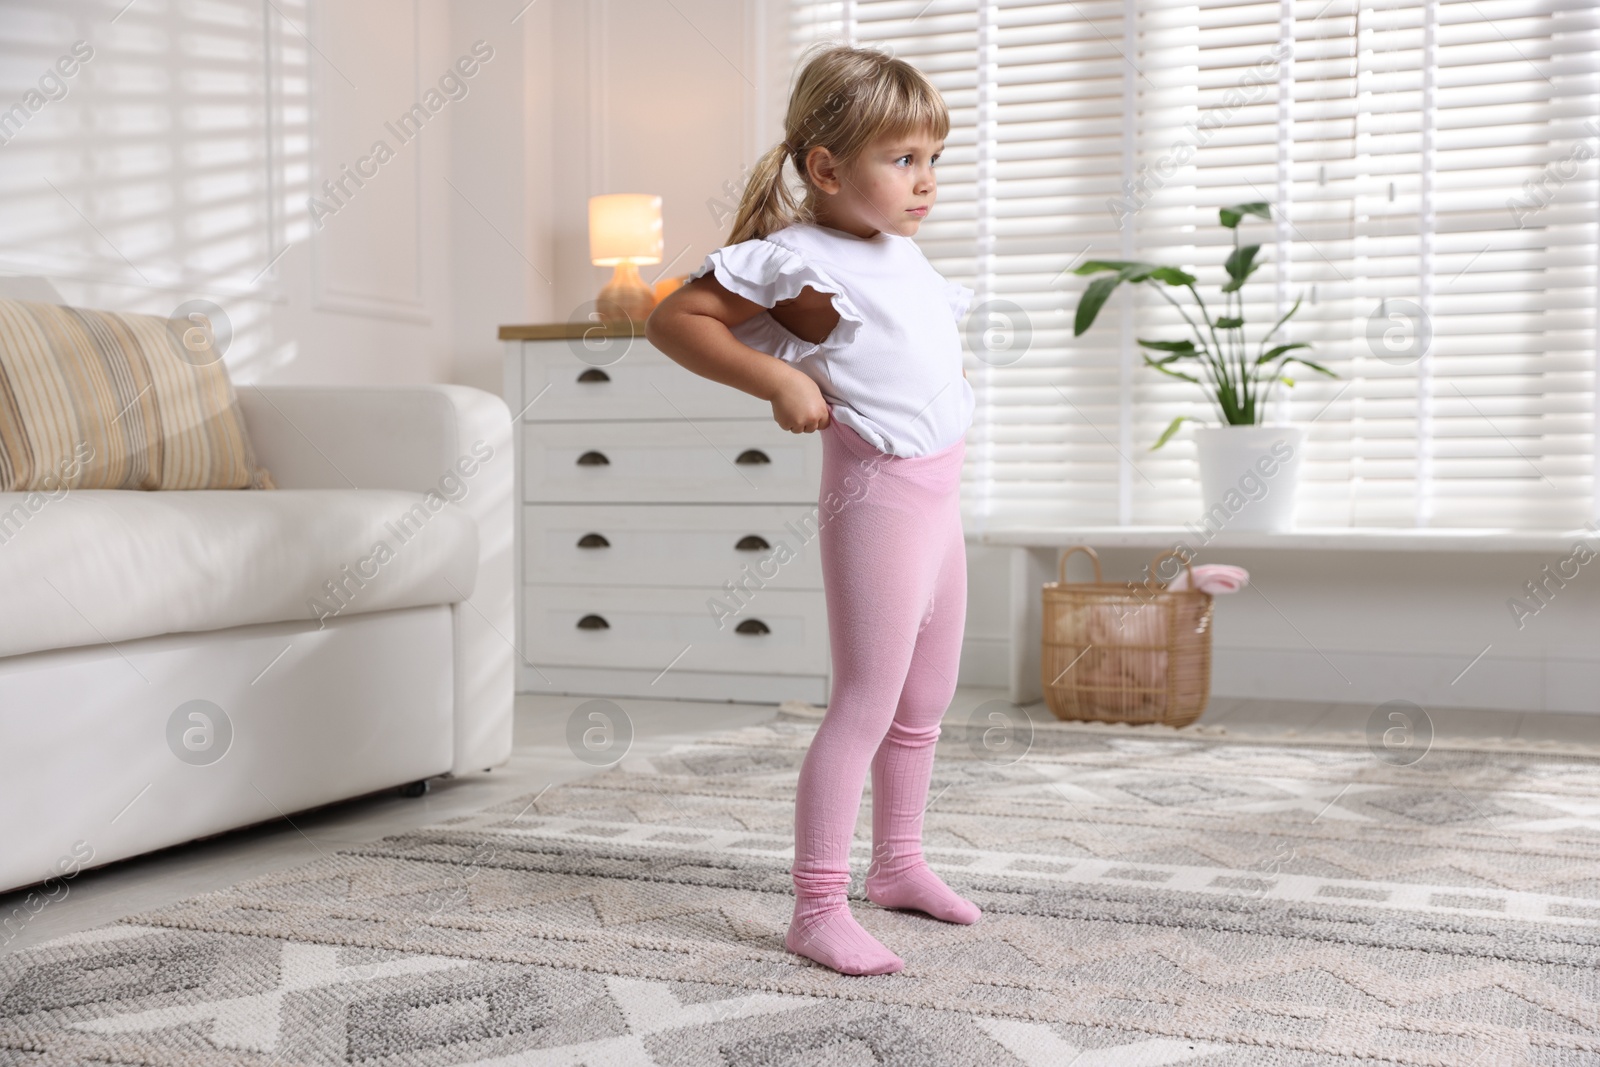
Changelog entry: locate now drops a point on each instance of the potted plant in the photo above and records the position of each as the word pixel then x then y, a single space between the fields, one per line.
pixel 1242 457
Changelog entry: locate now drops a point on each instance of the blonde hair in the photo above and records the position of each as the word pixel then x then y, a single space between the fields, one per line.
pixel 844 100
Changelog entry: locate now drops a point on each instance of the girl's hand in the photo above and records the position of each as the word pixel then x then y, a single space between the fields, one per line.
pixel 798 405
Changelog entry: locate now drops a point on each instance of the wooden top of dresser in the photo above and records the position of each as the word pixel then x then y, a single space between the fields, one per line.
pixel 559 331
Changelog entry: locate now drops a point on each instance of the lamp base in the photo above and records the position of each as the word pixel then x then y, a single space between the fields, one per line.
pixel 625 298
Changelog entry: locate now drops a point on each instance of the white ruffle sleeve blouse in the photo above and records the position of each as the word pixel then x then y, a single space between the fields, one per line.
pixel 891 369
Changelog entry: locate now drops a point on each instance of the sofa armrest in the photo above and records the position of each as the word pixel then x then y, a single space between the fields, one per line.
pixel 417 438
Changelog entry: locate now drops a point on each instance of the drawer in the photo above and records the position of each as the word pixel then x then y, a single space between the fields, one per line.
pixel 742 461
pixel 642 384
pixel 676 684
pixel 652 628
pixel 755 546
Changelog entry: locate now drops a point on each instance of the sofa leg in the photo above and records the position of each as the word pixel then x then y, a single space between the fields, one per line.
pixel 415 789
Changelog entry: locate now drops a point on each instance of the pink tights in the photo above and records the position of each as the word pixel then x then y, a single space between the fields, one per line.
pixel 894 566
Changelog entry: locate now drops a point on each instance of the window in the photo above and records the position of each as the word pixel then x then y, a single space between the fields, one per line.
pixel 169 165
pixel 1431 166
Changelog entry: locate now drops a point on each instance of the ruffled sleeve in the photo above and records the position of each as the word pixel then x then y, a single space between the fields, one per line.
pixel 766 272
pixel 960 299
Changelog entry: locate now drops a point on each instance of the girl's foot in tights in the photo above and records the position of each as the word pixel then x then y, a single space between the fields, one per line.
pixel 918 888
pixel 824 930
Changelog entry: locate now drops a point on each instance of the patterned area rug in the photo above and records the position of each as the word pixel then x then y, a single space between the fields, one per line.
pixel 1149 899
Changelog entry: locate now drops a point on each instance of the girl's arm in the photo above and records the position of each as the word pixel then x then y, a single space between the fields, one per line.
pixel 693 326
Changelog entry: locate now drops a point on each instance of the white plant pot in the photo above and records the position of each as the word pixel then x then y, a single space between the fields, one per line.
pixel 1248 476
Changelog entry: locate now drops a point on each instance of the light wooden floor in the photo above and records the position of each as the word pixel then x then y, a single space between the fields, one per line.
pixel 541 759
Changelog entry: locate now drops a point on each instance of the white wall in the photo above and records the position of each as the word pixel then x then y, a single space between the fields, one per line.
pixel 178 163
pixel 505 224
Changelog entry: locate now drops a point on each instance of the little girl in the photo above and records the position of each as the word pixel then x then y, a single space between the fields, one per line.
pixel 869 352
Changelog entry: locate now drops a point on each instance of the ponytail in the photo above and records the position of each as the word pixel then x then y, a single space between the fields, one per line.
pixel 767 204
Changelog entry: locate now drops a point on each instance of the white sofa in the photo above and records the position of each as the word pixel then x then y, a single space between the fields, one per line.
pixel 165 673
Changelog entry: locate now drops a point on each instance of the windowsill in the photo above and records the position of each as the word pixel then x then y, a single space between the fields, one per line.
pixel 1334 538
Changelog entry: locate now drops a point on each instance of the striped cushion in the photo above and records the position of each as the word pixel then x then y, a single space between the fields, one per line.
pixel 107 400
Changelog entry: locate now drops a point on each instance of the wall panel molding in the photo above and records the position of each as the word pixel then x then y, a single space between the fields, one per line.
pixel 346 295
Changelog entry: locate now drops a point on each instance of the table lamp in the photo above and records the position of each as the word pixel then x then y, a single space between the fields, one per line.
pixel 624 231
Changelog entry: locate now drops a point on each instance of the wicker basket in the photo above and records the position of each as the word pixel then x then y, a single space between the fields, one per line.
pixel 1125 651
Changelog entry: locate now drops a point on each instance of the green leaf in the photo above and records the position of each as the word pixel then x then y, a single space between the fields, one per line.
pixel 1228 401
pixel 1230 216
pixel 1094 298
pixel 1281 321
pixel 1238 262
pixel 1138 272
pixel 1286 381
pixel 1314 366
pixel 1095 266
pixel 1238 283
pixel 1280 350
pixel 1135 271
pixel 1172 276
pixel 1184 347
pixel 1171 429
pixel 1229 323
pixel 1159 365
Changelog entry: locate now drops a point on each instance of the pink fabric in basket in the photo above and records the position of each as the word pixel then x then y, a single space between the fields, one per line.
pixel 1128 679
pixel 1117 671
pixel 1212 578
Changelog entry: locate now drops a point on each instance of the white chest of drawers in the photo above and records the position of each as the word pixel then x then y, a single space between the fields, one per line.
pixel 666 528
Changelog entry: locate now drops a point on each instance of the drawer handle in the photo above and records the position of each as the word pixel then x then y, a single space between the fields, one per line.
pixel 593 459
pixel 752 543
pixel 752 626
pixel 594 374
pixel 593 540
pixel 753 455
pixel 593 622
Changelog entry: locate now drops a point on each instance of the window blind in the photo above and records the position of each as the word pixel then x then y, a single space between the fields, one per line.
pixel 1432 171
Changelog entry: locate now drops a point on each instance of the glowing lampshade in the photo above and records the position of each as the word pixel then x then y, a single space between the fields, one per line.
pixel 624 231
pixel 624 227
